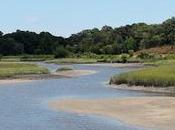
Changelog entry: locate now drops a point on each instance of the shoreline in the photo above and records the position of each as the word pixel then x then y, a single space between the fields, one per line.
pixel 74 73
pixel 54 75
pixel 163 90
pixel 118 65
pixel 12 81
pixel 148 112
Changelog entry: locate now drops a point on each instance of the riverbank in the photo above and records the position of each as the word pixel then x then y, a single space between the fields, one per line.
pixel 74 73
pixel 161 76
pixel 162 90
pixel 149 112
pixel 54 75
pixel 11 69
pixel 119 65
pixel 13 81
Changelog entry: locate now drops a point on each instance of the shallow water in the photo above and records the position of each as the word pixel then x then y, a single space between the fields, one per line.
pixel 24 106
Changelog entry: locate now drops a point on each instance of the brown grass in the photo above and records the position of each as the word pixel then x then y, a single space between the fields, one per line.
pixel 159 50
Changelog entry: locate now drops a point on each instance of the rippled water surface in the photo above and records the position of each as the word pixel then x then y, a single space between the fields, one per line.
pixel 24 106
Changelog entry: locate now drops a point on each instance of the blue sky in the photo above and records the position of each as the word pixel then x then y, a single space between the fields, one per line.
pixel 64 17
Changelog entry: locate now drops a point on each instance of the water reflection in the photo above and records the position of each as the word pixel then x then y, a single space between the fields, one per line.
pixel 24 106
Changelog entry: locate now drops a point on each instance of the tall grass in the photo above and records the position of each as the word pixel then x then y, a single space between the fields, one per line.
pixel 9 69
pixel 162 76
pixel 26 58
pixel 72 61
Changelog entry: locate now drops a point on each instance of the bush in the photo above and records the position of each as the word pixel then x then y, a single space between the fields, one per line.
pixel 124 58
pixel 61 53
pixel 144 55
pixel 131 53
pixel 1 56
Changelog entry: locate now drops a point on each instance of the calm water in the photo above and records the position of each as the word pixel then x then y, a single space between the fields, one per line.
pixel 24 106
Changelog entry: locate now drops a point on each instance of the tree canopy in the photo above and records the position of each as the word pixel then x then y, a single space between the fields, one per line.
pixel 108 40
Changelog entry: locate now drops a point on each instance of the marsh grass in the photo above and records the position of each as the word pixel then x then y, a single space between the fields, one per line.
pixel 64 69
pixel 10 69
pixel 162 76
pixel 26 58
pixel 72 61
pixel 36 57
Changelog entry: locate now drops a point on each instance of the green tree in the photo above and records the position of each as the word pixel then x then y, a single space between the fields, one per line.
pixel 61 52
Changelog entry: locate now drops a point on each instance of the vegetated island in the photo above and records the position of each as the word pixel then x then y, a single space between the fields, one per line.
pixel 70 72
pixel 18 72
pixel 13 72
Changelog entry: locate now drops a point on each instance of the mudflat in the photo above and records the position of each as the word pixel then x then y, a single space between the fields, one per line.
pixel 149 112
pixel 75 73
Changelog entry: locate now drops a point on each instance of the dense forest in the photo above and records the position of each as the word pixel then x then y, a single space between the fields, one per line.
pixel 108 40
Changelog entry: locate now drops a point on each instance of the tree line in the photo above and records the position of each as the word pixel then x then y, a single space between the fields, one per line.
pixel 107 40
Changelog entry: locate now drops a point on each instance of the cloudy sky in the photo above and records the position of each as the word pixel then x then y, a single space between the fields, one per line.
pixel 64 17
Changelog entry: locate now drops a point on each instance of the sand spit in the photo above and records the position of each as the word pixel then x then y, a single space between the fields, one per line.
pixel 119 65
pixel 149 112
pixel 165 90
pixel 75 73
pixel 55 75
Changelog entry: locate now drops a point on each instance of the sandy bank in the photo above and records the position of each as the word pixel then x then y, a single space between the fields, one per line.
pixel 75 73
pixel 166 90
pixel 13 81
pixel 119 65
pixel 150 112
pixel 55 75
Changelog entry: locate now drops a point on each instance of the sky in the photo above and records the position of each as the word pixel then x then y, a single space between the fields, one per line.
pixel 65 17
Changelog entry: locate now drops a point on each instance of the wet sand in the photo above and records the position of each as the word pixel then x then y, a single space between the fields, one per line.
pixel 163 90
pixel 119 65
pixel 13 81
pixel 149 112
pixel 75 73
pixel 56 75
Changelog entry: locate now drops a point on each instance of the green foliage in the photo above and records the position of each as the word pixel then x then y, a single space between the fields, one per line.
pixel 61 53
pixel 108 40
pixel 145 55
pixel 124 58
pixel 131 53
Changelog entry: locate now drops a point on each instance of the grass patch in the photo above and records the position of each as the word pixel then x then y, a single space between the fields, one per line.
pixel 9 69
pixel 36 57
pixel 64 69
pixel 26 58
pixel 72 61
pixel 162 76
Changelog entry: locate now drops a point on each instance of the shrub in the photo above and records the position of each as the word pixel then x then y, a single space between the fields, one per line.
pixel 124 58
pixel 61 52
pixel 145 55
pixel 131 53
